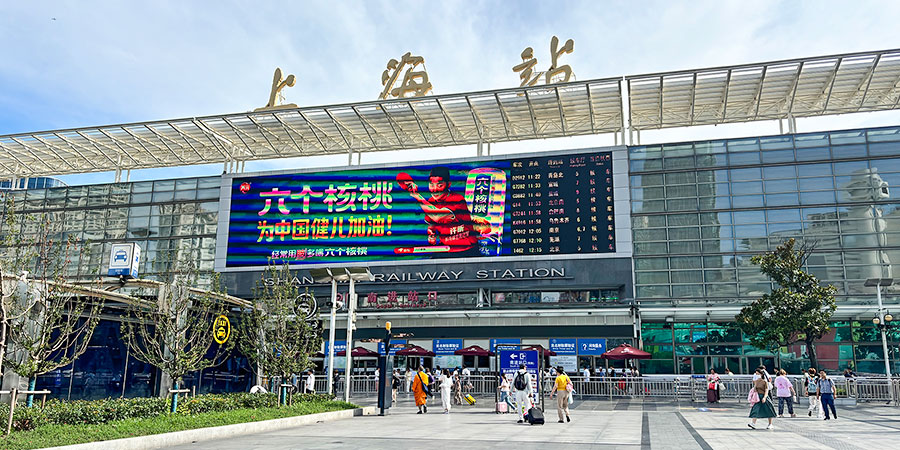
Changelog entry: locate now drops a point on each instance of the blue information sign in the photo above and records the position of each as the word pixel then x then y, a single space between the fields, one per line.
pixel 396 345
pixel 446 346
pixel 594 347
pixel 339 346
pixel 511 359
pixel 494 342
pixel 563 346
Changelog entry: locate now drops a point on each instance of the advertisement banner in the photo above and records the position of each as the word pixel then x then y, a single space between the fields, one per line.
pixel 446 346
pixel 506 207
pixel 564 346
pixel 594 347
pixel 502 341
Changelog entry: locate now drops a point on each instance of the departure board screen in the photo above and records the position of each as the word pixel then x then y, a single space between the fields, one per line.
pixel 545 205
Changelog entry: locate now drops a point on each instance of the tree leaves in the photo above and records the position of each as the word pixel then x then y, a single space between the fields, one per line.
pixel 799 306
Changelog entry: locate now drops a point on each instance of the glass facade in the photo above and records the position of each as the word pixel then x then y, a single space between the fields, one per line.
pixel 693 348
pixel 169 219
pixel 700 210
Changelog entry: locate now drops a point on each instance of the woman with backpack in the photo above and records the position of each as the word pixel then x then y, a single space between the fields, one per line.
pixel 759 397
pixel 811 382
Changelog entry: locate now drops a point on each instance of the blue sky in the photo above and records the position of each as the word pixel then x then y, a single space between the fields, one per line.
pixel 69 64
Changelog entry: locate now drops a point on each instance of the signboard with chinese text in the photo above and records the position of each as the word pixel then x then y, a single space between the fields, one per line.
pixel 501 341
pixel 124 260
pixel 595 347
pixel 446 346
pixel 511 359
pixel 563 346
pixel 504 207
pixel 396 345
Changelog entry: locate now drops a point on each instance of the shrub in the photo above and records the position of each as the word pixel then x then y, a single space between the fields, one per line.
pixel 101 411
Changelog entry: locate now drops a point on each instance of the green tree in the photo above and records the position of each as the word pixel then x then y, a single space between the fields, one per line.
pixel 46 322
pixel 797 310
pixel 281 332
pixel 175 333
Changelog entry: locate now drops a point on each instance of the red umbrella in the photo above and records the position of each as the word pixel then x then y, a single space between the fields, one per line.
pixel 358 352
pixel 540 348
pixel 473 350
pixel 415 350
pixel 625 351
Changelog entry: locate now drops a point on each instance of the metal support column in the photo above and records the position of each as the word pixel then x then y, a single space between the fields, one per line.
pixel 351 323
pixel 330 373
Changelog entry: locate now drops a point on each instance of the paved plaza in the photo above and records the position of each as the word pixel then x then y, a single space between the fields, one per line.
pixel 601 424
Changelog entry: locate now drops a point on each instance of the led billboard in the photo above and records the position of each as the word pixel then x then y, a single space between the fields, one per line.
pixel 547 205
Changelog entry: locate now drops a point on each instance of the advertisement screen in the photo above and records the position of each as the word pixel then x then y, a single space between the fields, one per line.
pixel 549 205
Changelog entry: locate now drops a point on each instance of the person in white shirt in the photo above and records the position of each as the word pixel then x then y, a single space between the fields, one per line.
pixel 446 383
pixel 524 390
pixel 465 379
pixel 310 382
pixel 587 374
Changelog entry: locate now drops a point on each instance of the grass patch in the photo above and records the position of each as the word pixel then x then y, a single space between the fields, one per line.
pixel 55 435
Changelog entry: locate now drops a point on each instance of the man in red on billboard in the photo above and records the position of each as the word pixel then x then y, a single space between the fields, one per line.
pixel 447 214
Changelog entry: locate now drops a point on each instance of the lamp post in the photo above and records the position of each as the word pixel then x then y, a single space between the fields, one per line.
pixel 880 320
pixel 334 275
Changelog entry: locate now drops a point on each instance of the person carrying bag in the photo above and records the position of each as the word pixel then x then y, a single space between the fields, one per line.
pixel 563 384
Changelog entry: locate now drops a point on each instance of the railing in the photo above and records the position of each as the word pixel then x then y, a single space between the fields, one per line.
pixel 14 393
pixel 675 387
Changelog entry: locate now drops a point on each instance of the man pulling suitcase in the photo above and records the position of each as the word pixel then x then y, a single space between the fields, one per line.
pixel 524 392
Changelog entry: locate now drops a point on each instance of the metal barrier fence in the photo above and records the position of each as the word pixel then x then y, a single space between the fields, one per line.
pixel 675 387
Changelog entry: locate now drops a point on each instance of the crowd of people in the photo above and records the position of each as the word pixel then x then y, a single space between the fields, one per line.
pixel 817 387
pixel 517 390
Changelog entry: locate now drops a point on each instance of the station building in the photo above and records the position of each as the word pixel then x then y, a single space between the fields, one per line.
pixel 658 258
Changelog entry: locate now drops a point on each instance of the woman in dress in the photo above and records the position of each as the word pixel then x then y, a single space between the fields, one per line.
pixel 712 387
pixel 446 384
pixel 764 408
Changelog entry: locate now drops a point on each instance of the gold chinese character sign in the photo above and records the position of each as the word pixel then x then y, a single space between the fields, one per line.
pixel 555 74
pixel 276 98
pixel 414 84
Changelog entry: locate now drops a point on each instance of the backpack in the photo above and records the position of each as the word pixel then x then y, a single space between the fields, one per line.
pixel 519 383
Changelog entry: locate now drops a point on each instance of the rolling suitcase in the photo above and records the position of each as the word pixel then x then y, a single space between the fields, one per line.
pixel 535 416
pixel 502 408
pixel 469 399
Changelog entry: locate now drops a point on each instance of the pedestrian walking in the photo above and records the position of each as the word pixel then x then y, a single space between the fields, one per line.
pixel 811 385
pixel 762 373
pixel 457 388
pixel 310 382
pixel 409 375
pixel 759 397
pixel 563 388
pixel 523 388
pixel 785 391
pixel 420 389
pixel 446 385
pixel 826 394
pixel 712 387
pixel 505 394
pixel 395 384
